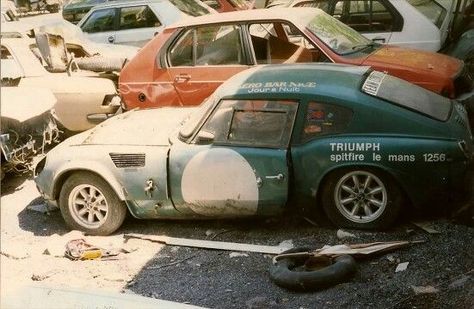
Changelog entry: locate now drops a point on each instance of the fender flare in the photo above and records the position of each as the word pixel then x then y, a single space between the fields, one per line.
pixel 282 273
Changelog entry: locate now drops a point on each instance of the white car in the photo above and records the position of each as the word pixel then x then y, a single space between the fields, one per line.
pixel 83 97
pixel 136 22
pixel 420 24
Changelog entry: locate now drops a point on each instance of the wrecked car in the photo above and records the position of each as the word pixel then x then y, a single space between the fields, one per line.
pixel 421 24
pixel 83 97
pixel 268 134
pixel 26 128
pixel 135 23
pixel 186 62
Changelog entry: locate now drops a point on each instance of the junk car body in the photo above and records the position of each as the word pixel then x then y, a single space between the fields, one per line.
pixel 353 140
pixel 186 62
pixel 26 128
pixel 83 97
pixel 230 5
pixel 75 40
pixel 136 22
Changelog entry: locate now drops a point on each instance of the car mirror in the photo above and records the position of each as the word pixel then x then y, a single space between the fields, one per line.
pixel 204 137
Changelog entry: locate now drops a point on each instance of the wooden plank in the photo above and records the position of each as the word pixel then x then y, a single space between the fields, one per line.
pixel 209 244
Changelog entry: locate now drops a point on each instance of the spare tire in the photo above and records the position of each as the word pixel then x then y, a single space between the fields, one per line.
pixel 290 272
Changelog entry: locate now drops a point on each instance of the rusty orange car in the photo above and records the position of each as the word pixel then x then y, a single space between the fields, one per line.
pixel 187 61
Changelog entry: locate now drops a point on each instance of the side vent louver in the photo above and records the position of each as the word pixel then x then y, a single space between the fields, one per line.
pixel 123 160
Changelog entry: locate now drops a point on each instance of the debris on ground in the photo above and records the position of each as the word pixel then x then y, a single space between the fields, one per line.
pixel 341 234
pixel 46 275
pixel 424 289
pixel 401 267
pixel 427 227
pixel 237 254
pixel 209 244
pixel 79 249
pixel 43 208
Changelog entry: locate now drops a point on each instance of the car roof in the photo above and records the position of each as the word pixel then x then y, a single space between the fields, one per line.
pixel 310 78
pixel 126 3
pixel 294 15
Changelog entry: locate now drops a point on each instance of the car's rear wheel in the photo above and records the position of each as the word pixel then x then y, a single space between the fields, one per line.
pixel 361 198
pixel 89 204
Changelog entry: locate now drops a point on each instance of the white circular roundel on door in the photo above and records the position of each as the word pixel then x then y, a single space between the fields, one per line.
pixel 220 182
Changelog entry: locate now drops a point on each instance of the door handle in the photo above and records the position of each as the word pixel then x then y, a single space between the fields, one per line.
pixel 277 177
pixel 181 78
pixel 378 40
pixel 111 39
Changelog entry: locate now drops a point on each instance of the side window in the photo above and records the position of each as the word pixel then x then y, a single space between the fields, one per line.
pixel 324 119
pixel 253 123
pixel 219 45
pixel 282 43
pixel 213 4
pixel 138 17
pixel 181 54
pixel 210 45
pixel 365 15
pixel 99 21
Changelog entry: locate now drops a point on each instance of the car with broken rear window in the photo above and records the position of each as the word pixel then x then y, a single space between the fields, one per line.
pixel 186 62
pixel 359 143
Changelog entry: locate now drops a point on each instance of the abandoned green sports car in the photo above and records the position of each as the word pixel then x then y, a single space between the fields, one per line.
pixel 357 142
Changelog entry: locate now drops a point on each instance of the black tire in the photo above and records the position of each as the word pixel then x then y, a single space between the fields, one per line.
pixel 383 207
pixel 112 211
pixel 289 273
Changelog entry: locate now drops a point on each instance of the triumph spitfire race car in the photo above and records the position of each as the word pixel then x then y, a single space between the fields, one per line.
pixel 359 143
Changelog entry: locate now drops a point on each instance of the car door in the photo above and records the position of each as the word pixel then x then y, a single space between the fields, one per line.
pixel 375 19
pixel 137 25
pixel 204 57
pixel 237 163
pixel 101 25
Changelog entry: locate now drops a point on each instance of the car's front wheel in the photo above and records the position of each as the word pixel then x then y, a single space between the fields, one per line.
pixel 361 198
pixel 89 204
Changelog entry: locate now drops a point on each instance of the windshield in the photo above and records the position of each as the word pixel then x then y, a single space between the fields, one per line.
pixel 431 9
pixel 407 95
pixel 190 7
pixel 340 38
pixel 194 120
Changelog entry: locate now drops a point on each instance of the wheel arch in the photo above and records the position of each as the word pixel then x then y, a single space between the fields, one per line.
pixel 95 169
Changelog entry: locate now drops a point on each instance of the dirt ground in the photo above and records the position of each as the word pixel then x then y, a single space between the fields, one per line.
pixel 440 273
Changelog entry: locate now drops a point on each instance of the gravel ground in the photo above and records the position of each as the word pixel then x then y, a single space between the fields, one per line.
pixel 440 272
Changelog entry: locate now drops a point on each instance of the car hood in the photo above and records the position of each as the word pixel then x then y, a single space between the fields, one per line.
pixel 25 103
pixel 150 127
pixel 414 60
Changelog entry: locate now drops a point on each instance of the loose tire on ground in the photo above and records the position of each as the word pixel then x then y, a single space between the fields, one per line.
pixel 290 272
pixel 361 198
pixel 89 204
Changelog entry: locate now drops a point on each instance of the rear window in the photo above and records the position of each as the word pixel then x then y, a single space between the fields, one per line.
pixel 407 95
pixel 192 8
pixel 431 9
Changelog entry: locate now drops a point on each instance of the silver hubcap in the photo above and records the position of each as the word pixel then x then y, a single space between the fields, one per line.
pixel 88 206
pixel 360 196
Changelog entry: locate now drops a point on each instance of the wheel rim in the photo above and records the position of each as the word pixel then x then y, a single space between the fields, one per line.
pixel 360 196
pixel 88 206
